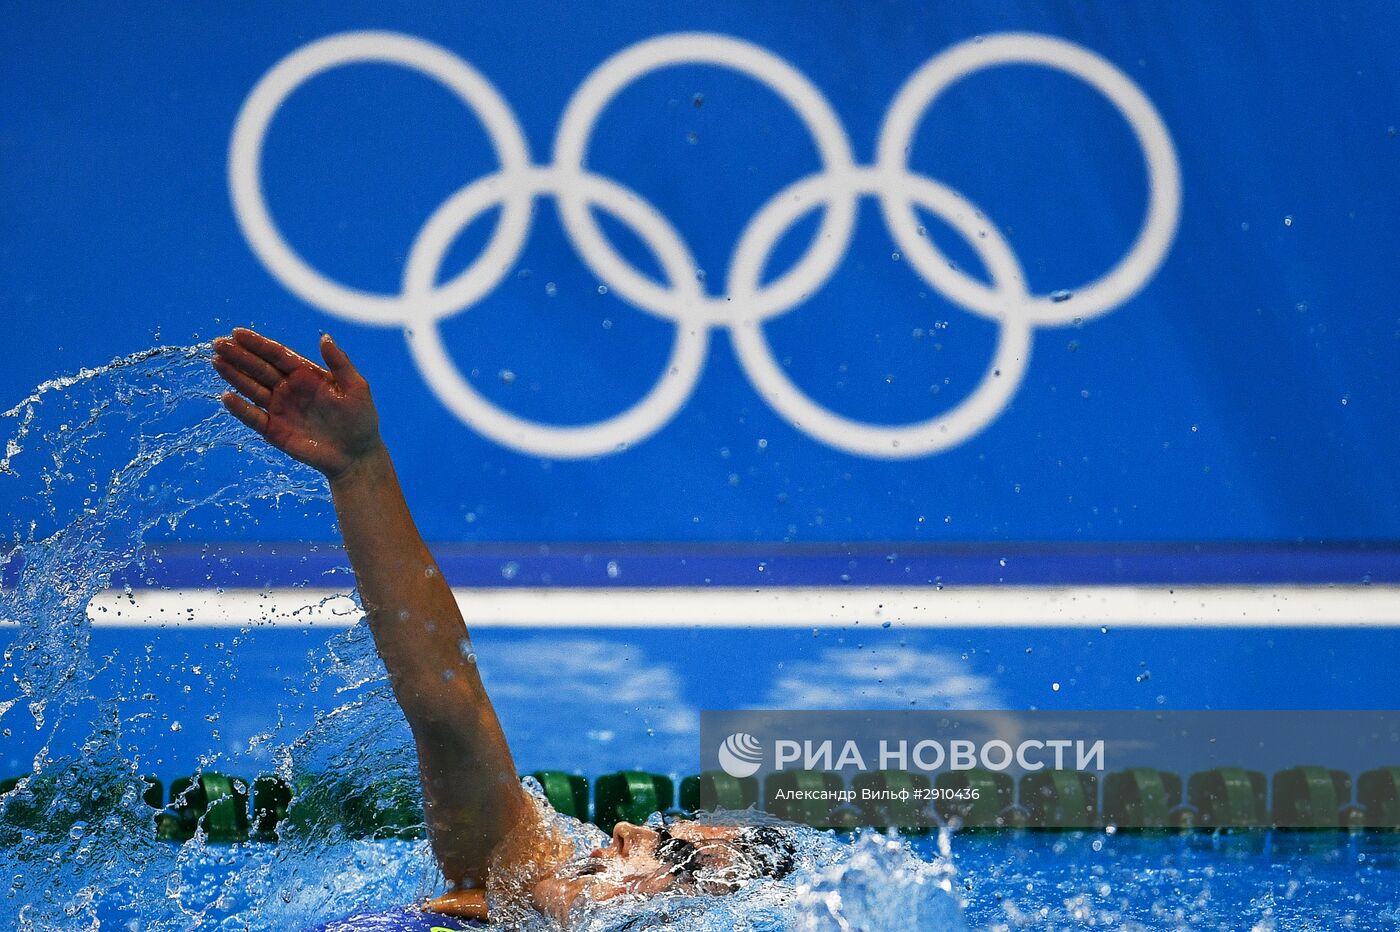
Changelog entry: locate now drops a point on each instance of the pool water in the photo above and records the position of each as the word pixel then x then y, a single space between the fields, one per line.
pixel 92 716
pixel 1252 880
pixel 991 881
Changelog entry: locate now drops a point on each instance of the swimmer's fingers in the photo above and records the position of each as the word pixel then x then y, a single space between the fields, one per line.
pixel 254 390
pixel 278 356
pixel 255 367
pixel 464 904
pixel 339 364
pixel 245 411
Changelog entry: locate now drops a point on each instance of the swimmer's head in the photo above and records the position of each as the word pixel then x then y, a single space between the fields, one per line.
pixel 683 857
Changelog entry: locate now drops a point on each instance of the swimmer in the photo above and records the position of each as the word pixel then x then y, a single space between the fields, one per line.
pixel 486 832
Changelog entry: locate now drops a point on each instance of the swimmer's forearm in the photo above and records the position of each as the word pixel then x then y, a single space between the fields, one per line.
pixel 472 796
pixel 412 612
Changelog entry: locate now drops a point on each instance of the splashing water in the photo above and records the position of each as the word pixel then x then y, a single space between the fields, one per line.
pixel 101 467
pixel 97 469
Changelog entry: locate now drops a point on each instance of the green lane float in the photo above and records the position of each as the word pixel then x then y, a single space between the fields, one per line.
pixel 1014 817
pixel 806 796
pixel 226 809
pixel 389 807
pixel 177 821
pixel 630 796
pixel 272 797
pixel 1378 793
pixel 1310 798
pixel 212 801
pixel 154 794
pixel 715 789
pixel 1066 799
pixel 1228 797
pixel 566 792
pixel 893 799
pixel 976 798
pixel 1141 797
pixel 386 808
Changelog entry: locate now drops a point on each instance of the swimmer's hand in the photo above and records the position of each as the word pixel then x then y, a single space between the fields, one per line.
pixel 464 904
pixel 324 418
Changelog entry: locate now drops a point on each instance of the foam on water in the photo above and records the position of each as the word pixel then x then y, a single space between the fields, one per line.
pixel 97 467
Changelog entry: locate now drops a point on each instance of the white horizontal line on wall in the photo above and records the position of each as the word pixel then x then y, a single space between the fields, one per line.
pixel 794 607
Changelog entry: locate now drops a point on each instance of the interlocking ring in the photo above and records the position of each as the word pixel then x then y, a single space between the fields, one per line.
pixel 747 302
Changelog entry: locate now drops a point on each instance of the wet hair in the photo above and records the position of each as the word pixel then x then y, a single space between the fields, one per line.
pixel 681 855
pixel 764 851
pixel 770 847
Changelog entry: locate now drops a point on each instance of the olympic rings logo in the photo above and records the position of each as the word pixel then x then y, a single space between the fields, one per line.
pixel 747 301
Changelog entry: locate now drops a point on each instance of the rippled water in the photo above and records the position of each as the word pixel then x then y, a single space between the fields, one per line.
pixel 95 467
pixel 98 465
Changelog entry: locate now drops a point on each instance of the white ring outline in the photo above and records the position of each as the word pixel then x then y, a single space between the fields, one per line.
pixel 904 441
pixel 480 98
pixel 642 419
pixel 1132 272
pixel 697 48
pixel 836 191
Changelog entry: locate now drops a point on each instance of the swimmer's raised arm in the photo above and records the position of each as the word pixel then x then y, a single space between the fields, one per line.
pixel 325 418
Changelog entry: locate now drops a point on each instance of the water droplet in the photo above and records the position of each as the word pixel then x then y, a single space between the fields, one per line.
pixel 1061 295
pixel 1288 220
pixel 614 570
pixel 506 376
pixel 551 289
pixel 894 256
pixel 692 137
pixel 602 289
pixel 509 570
pixel 697 101
pixel 762 443
pixel 1055 687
